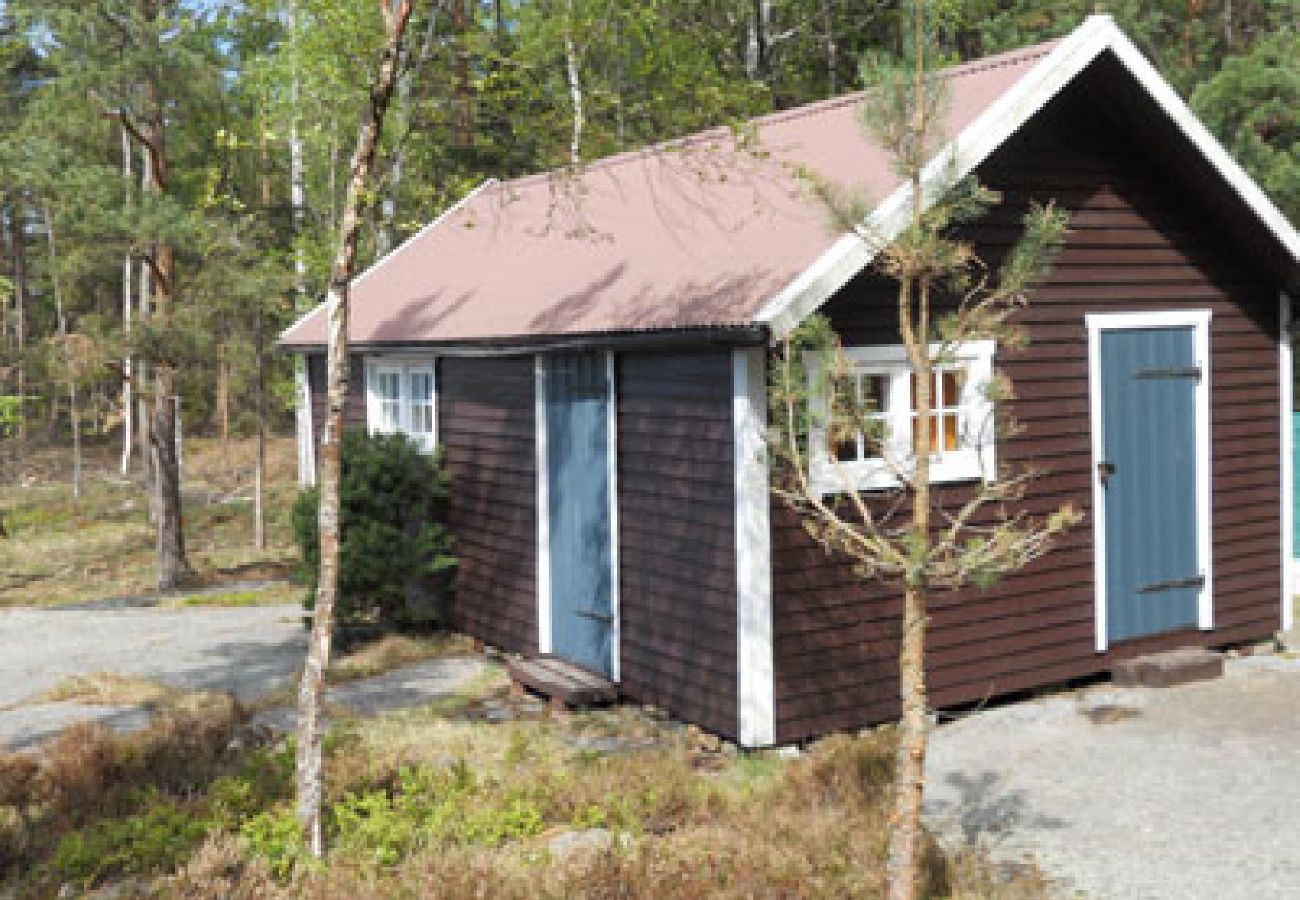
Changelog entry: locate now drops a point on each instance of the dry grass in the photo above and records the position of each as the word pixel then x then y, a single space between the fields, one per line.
pixel 107 689
pixel 103 546
pixel 393 651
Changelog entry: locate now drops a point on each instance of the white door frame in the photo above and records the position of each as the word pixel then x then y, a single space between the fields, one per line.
pixel 1199 320
pixel 545 634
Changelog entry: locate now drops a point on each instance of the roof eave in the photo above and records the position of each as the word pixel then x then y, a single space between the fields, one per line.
pixel 961 156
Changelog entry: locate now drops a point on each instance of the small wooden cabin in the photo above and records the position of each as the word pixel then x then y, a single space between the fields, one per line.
pixel 593 362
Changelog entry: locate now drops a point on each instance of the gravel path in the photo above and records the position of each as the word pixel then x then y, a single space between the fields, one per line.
pixel 1189 792
pixel 248 651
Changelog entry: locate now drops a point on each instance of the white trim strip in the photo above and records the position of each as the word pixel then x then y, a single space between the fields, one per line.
pixel 615 604
pixel 543 509
pixel 754 662
pixel 1098 33
pixel 305 428
pixel 1198 319
pixel 446 213
pixel 1286 399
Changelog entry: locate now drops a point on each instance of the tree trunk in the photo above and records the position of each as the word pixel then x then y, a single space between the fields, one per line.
pixel 571 62
pixel 144 419
pixel 18 234
pixel 464 91
pixel 906 828
pixel 311 691
pixel 173 565
pixel 223 397
pixel 128 388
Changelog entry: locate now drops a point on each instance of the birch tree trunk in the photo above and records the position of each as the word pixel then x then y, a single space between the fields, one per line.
pixel 128 388
pixel 311 690
pixel 572 63
pixel 18 234
pixel 61 318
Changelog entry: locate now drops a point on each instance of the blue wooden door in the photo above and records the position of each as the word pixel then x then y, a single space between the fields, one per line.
pixel 577 442
pixel 1153 574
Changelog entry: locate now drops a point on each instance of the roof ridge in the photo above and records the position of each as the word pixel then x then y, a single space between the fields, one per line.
pixel 971 67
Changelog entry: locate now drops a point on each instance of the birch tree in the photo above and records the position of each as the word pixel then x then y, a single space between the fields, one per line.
pixel 911 536
pixel 311 692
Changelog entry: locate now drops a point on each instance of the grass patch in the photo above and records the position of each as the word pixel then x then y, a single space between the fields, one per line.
pixel 393 651
pixel 60 552
pixel 107 689
pixel 271 595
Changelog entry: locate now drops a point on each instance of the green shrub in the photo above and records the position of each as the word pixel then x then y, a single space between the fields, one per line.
pixel 394 501
pixel 276 836
pixel 156 839
pixel 433 806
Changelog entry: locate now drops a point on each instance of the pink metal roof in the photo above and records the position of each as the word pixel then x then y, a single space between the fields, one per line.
pixel 691 234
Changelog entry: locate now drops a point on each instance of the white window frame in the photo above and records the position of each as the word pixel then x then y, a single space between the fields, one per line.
pixel 404 367
pixel 976 460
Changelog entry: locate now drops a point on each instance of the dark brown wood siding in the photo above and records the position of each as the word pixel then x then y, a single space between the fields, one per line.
pixel 677 534
pixel 1137 243
pixel 485 426
pixel 354 413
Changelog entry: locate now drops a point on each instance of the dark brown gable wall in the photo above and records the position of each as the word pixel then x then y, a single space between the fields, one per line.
pixel 677 534
pixel 1136 244
pixel 485 426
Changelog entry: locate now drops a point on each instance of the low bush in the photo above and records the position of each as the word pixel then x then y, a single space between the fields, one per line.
pixel 393 500
pixel 153 839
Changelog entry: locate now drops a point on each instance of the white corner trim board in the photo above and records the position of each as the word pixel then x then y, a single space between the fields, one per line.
pixel 303 424
pixel 1098 34
pixel 543 509
pixel 1198 319
pixel 754 663
pixel 1286 399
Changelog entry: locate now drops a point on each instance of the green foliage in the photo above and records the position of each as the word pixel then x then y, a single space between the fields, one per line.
pixel 394 498
pixel 276 836
pixel 433 806
pixel 1253 105
pixel 155 839
pixel 11 414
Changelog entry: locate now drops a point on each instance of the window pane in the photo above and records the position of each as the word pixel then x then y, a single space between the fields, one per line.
pixel 421 387
pixel 950 431
pixel 874 393
pixel 951 387
pixel 389 386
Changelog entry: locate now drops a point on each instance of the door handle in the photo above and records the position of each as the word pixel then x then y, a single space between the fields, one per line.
pixel 599 617
pixel 1104 471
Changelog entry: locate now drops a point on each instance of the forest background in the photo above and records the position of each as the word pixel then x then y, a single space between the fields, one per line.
pixel 262 99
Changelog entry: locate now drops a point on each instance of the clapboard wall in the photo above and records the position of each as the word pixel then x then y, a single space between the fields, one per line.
pixel 485 426
pixel 676 502
pixel 1137 242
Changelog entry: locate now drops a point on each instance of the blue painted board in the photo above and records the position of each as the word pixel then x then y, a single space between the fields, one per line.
pixel 577 444
pixel 1149 379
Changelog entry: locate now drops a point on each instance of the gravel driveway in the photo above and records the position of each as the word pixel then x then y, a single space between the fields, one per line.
pixel 1188 792
pixel 249 651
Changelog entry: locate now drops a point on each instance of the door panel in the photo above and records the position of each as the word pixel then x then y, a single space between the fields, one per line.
pixel 1149 383
pixel 577 441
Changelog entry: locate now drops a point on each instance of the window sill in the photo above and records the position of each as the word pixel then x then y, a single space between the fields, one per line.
pixel 829 478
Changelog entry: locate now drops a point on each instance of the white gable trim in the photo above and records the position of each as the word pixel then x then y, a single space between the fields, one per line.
pixel 447 213
pixel 1098 34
